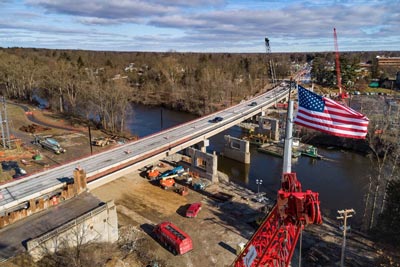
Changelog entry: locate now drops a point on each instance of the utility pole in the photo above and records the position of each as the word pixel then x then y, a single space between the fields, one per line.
pixel 161 119
pixel 90 140
pixel 344 214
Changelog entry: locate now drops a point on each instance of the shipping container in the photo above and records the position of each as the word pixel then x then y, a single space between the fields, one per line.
pixel 173 238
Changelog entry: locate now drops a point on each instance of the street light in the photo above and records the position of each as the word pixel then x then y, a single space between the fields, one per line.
pixel 258 183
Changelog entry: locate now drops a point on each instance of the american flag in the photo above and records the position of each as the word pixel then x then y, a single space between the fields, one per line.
pixel 325 115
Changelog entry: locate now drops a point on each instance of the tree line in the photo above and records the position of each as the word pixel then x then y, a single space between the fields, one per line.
pixel 102 86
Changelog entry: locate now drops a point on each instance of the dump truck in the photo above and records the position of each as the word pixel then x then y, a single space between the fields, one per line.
pixel 173 238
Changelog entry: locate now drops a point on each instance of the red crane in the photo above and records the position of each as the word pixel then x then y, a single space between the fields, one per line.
pixel 274 241
pixel 342 93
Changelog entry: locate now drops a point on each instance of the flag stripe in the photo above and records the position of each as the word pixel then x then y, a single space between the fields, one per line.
pixel 328 131
pixel 331 118
pixel 325 115
pixel 338 126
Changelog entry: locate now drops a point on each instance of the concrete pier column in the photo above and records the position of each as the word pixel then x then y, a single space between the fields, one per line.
pixel 204 144
pixel 203 163
pixel 269 127
pixel 237 149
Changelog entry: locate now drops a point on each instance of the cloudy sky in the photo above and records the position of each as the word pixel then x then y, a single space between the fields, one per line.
pixel 201 25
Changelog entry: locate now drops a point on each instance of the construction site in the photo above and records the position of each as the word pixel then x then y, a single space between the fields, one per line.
pixel 176 210
pixel 161 192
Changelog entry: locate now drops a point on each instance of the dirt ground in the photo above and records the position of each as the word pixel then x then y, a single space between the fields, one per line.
pixel 220 226
pixel 74 138
pixel 142 204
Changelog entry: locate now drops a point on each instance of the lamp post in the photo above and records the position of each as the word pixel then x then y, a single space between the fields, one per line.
pixel 258 182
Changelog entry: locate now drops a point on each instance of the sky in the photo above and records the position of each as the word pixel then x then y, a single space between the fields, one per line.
pixel 231 26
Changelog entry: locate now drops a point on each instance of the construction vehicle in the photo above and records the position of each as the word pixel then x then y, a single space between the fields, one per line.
pixel 177 170
pixel 101 141
pixel 168 181
pixel 173 238
pixel 182 190
pixel 342 93
pixel 49 143
pixel 274 241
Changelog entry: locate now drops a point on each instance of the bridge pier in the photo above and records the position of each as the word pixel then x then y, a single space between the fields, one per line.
pixel 237 149
pixel 203 163
pixel 269 127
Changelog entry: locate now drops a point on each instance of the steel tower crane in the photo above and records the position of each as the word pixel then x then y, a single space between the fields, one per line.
pixel 270 63
pixel 342 93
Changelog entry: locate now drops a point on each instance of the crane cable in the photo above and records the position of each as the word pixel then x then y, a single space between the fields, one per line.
pixel 301 242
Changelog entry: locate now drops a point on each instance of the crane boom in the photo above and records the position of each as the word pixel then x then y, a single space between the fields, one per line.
pixel 274 241
pixel 342 94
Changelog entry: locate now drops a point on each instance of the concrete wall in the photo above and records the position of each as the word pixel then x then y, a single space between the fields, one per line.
pixel 269 127
pixel 237 149
pixel 203 163
pixel 98 225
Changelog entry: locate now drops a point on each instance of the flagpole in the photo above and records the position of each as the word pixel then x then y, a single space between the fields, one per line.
pixel 287 153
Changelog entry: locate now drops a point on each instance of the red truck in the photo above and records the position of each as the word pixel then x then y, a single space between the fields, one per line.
pixel 173 238
pixel 193 210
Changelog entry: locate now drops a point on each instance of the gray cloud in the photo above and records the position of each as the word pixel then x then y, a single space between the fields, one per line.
pixel 103 8
pixel 224 26
pixel 48 29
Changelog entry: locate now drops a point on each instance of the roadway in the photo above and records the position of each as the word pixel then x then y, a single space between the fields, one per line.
pixel 138 153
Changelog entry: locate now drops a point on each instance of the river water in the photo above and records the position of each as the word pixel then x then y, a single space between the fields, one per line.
pixel 340 179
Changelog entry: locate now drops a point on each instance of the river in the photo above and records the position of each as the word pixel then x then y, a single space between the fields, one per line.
pixel 341 178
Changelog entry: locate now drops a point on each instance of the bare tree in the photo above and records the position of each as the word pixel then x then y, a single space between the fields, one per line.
pixel 383 139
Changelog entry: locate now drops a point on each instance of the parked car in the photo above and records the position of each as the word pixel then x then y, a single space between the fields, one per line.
pixel 19 172
pixel 193 210
pixel 216 119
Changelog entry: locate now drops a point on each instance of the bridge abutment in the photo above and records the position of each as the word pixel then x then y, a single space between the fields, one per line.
pixel 237 149
pixel 98 225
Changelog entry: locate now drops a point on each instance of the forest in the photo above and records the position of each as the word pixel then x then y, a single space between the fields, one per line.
pixel 101 86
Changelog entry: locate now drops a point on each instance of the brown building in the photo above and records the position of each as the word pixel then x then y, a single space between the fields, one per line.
pixel 388 61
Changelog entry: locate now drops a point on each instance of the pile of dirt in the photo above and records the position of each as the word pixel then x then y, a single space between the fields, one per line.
pixel 33 128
